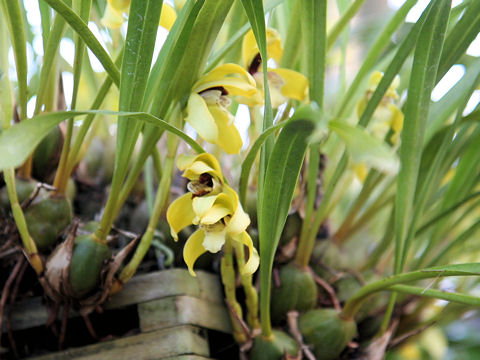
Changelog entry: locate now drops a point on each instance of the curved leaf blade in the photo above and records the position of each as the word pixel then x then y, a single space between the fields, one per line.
pixel 280 180
pixel 17 142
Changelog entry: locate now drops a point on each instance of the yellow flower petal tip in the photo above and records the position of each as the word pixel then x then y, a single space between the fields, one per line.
pixel 113 16
pixel 167 17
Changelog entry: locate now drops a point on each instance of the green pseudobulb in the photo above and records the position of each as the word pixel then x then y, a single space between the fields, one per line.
pixel 275 348
pixel 297 291
pixel 46 218
pixel 327 332
pixel 24 189
pixel 88 259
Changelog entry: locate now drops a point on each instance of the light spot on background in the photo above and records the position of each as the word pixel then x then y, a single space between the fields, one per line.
pixel 453 75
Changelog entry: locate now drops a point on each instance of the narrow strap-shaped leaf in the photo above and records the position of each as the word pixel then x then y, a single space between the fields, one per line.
pixel 422 80
pixel 171 53
pixel 437 294
pixel 354 303
pixel 17 142
pixel 91 41
pixel 46 20
pixel 280 181
pixel 460 38
pixel 314 22
pixel 16 28
pixel 235 39
pixel 256 16
pixel 137 58
pixel 49 60
pixel 343 21
pixel 250 159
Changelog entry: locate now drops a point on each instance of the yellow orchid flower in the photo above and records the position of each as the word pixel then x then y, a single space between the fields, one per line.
pixel 206 178
pixel 387 115
pixel 214 207
pixel 207 107
pixel 113 16
pixel 283 83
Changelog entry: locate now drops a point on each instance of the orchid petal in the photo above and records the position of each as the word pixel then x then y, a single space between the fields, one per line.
pixel 193 249
pixel 112 18
pixel 215 214
pixel 296 84
pixel 253 259
pixel 201 204
pixel 234 86
pixel 239 221
pixel 167 16
pixel 184 161
pixel 224 71
pixel 180 214
pixel 120 6
pixel 229 138
pixel 214 241
pixel 199 117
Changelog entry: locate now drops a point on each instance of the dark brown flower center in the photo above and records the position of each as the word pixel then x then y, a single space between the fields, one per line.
pixel 202 186
pixel 255 64
pixel 219 88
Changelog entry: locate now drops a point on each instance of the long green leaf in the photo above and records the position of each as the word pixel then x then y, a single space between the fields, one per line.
pixel 437 294
pixel 354 303
pixel 91 41
pixel 256 16
pixel 17 142
pixel 460 38
pixel 280 181
pixel 16 28
pixel 314 31
pixel 422 81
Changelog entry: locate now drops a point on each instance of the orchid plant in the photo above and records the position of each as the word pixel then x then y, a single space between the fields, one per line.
pixel 335 193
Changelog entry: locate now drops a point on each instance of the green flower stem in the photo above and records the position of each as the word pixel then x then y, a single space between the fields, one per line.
pixel 337 29
pixel 251 295
pixel 307 241
pixel 383 245
pixel 160 201
pixel 62 175
pixel 227 272
pixel 384 199
pixel 353 304
pixel 372 180
pixel 161 198
pixel 28 242
pixel 388 314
